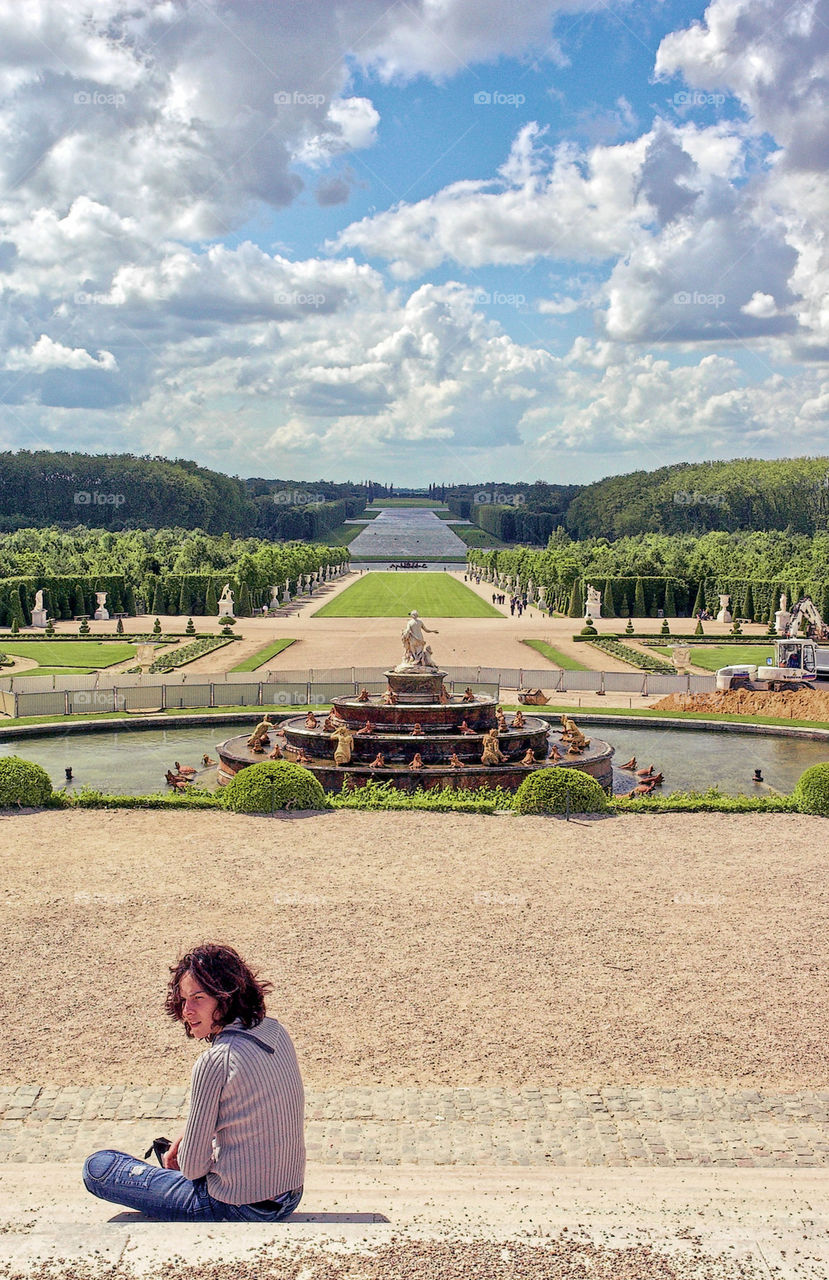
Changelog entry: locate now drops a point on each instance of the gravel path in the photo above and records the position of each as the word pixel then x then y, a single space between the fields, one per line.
pixel 418 949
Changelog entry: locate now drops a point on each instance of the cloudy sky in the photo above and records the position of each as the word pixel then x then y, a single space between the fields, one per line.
pixel 453 240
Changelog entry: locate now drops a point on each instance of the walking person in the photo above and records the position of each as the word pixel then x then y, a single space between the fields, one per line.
pixel 241 1157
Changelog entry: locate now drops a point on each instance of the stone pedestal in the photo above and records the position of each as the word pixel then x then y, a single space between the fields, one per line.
pixel 39 617
pixel 416 684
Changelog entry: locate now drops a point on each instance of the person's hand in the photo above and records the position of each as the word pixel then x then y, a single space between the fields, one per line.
pixel 171 1156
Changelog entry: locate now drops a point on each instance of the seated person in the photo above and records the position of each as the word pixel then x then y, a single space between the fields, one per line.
pixel 379 761
pixel 241 1157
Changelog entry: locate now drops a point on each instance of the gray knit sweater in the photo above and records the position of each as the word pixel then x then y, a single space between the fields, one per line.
pixel 245 1127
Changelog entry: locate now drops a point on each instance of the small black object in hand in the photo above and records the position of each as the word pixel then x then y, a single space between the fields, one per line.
pixel 160 1146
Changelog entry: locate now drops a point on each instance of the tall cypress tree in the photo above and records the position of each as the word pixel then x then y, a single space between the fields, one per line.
pixel 748 604
pixel 608 603
pixel 211 604
pixel 243 604
pixel 639 610
pixel 576 607
pixel 185 602
pixel 670 602
pixel 699 599
pixel 158 604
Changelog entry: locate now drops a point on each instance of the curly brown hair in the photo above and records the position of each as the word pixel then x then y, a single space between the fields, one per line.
pixel 223 974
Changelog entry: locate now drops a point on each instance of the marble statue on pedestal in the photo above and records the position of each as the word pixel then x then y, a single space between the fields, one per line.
pixel 39 616
pixel 416 652
pixel 593 607
pixel 226 602
pixel 101 611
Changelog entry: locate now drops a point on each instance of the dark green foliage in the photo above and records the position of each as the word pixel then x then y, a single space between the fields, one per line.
pixel 190 629
pixel 639 607
pixel 629 628
pixel 211 603
pixel 243 602
pixel 383 795
pixel 546 791
pixel 747 610
pixel 179 657
pixel 811 794
pixel 23 784
pixel 15 626
pixel 669 607
pixel 157 627
pixel 665 630
pixel 608 603
pixel 84 629
pixel 736 628
pixel 49 629
pixel 185 597
pixel 576 606
pixel 273 784
pixel 711 801
pixel 119 627
pixel 699 600
pixel 588 629
pixel 698 631
pixel 158 603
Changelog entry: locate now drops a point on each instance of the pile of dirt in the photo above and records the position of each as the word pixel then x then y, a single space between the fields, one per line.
pixel 804 704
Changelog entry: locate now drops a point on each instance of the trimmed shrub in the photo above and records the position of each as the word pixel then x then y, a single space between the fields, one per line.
pixel 811 795
pixel 545 791
pixel 666 629
pixel 23 784
pixel 588 629
pixel 273 784
pixel 190 629
pixel 119 627
pixel 698 631
pixel 629 627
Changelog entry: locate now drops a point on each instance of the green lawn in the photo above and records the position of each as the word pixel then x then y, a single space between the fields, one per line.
pixel 393 595
pixel 341 535
pixel 262 655
pixel 89 655
pixel 556 656
pixel 475 537
pixel 712 657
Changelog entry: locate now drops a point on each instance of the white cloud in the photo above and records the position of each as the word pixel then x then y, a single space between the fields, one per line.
pixel 46 354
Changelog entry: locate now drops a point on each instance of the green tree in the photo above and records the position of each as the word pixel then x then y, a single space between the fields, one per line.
pixel 119 627
pixel 748 604
pixel 576 606
pixel 158 602
pixel 608 605
pixel 639 609
pixel 243 605
pixel 670 601
pixel 185 597
pixel 211 603
pixel 699 600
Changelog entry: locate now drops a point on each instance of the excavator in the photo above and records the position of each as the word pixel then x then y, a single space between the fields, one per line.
pixel 797 661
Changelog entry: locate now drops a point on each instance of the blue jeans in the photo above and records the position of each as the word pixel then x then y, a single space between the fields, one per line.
pixel 167 1195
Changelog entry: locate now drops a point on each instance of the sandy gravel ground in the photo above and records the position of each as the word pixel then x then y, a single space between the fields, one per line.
pixel 415 949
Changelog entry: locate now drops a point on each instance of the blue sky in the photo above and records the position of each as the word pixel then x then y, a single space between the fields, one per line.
pixel 436 240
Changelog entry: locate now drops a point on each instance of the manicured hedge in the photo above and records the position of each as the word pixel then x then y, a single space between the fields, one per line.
pixel 811 794
pixel 554 790
pixel 23 784
pixel 273 784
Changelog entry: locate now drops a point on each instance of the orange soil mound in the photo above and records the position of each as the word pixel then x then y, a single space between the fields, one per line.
pixel 805 704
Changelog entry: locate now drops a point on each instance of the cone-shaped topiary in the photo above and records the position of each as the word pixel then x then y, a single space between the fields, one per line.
pixel 15 627
pixel 157 627
pixel 273 784
pixel 608 603
pixel 629 628
pixel 545 791
pixel 666 630
pixel 84 629
pixel 698 631
pixel 23 783
pixel 576 607
pixel 811 794
pixel 49 629
pixel 190 629
pixel 119 627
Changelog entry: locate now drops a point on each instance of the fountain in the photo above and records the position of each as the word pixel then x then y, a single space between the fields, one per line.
pixel 416 734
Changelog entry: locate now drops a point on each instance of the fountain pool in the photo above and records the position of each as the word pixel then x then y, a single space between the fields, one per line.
pixel 133 761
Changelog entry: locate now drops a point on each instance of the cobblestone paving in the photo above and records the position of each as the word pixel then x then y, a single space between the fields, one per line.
pixel 544 1126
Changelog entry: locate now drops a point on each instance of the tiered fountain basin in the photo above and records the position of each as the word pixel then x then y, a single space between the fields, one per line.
pixel 392 724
